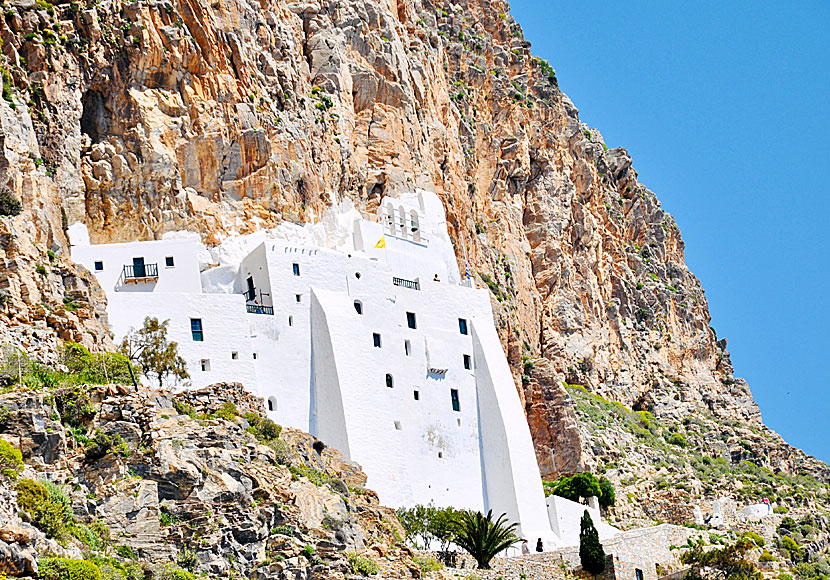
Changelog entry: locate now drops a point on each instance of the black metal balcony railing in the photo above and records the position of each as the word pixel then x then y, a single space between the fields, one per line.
pixel 411 284
pixel 140 273
pixel 250 295
pixel 259 309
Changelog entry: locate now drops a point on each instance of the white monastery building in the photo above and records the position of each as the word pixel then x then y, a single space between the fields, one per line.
pixel 362 333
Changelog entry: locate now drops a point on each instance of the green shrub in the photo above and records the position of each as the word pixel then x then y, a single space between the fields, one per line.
pixel 780 509
pixel 283 531
pixel 187 559
pixel 66 569
pixel 126 552
pixel 115 569
pixel 9 204
pixel 427 564
pixel 227 411
pixel 101 444
pixel 11 460
pixel 308 551
pixel 172 572
pixel 766 557
pixel 262 428
pixel 757 538
pixel 363 565
pixel 48 505
pixel 676 439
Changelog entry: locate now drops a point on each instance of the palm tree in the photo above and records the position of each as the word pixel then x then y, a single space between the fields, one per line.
pixel 481 536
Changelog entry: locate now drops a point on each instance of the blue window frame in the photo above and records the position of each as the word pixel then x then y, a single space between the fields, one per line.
pixel 462 325
pixel 196 329
pixel 410 320
pixel 456 404
pixel 99 265
pixel 296 269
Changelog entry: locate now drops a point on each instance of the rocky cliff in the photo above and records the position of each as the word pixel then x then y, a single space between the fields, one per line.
pixel 138 118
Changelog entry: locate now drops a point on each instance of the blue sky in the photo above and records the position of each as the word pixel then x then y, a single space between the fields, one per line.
pixel 724 108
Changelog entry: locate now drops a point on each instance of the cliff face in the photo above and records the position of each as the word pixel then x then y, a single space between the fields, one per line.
pixel 222 117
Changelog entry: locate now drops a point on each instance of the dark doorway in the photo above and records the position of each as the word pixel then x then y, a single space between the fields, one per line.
pixel 138 267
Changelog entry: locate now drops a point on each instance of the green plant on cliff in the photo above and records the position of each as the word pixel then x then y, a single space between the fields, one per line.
pixel 483 537
pixel 726 563
pixel 362 565
pixel 9 204
pixel 591 554
pixel 581 486
pixel 11 460
pixel 426 524
pixel 156 357
pixel 67 569
pixel 264 429
pixel 48 506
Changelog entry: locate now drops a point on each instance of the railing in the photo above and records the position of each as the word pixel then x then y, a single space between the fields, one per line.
pixel 250 295
pixel 412 285
pixel 139 273
pixel 259 309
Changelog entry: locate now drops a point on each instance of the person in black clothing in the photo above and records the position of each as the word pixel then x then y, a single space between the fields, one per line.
pixel 539 546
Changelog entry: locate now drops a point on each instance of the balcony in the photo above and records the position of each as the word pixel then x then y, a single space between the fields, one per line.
pixel 411 284
pixel 139 273
pixel 259 309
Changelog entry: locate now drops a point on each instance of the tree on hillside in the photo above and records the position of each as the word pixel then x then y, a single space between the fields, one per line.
pixel 579 486
pixel 726 563
pixel 425 524
pixel 482 536
pixel 156 357
pixel 607 495
pixel 591 553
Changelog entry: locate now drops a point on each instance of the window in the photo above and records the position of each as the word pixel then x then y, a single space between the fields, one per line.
pixel 638 574
pixel 459 421
pixel 99 266
pixel 416 394
pixel 290 321
pixel 407 347
pixel 468 362
pixel 390 381
pixel 296 268
pixel 168 261
pixel 440 455
pixel 456 404
pixel 357 275
pixel 298 297
pixel 358 306
pixel 234 355
pixel 205 364
pixel 398 426
pixel 196 329
pixel 254 356
pixel 376 340
pixel 272 403
pixel 410 320
pixel 462 325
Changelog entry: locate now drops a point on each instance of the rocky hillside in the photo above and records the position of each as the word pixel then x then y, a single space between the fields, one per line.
pixel 138 118
pixel 151 485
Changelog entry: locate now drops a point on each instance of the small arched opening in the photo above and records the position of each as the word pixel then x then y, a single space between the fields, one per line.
pixel 390 382
pixel 358 306
pixel 272 404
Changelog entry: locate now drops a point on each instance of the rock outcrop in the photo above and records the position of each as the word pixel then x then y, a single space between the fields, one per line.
pixel 140 118
pixel 167 484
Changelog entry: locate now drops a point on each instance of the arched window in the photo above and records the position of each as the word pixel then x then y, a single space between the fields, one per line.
pixel 415 225
pixel 389 381
pixel 358 306
pixel 272 403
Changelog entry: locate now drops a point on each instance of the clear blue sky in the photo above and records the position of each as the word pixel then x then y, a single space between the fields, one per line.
pixel 724 108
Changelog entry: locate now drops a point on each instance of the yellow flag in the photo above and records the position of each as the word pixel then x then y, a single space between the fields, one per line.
pixel 381 243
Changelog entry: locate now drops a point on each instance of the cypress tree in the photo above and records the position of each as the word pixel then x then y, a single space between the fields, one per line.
pixel 591 554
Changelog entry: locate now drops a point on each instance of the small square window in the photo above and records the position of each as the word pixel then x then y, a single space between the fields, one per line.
pixel 196 329
pixel 468 362
pixel 376 339
pixel 205 364
pixel 398 426
pixel 168 261
pixel 456 403
pixel 416 395
pixel 234 355
pixel 298 297
pixel 462 325
pixel 296 269
pixel 410 320
pixel 99 266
